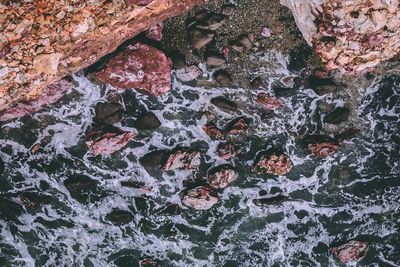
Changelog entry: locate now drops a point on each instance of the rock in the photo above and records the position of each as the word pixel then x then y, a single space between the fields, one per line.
pixel 213 132
pixel 50 95
pixel 320 146
pixel 148 121
pixel 228 9
pixel 256 83
pixel 322 86
pixel 266 32
pixel 284 92
pixel 155 32
pixel 222 176
pixel 325 89
pixel 214 59
pixel 211 21
pixel 273 162
pixel 347 134
pixel 223 78
pixel 178 60
pixel 188 73
pixel 120 217
pixel 263 202
pixel 47 63
pixel 2 166
pixel 325 107
pixel 108 113
pixel 352 251
pixel 182 158
pixel 107 141
pixel 200 198
pixel 269 102
pixel 153 159
pixel 228 150
pixel 5 49
pixel 224 104
pixel 139 67
pixel 238 126
pixel 81 188
pixel 337 116
pixel 199 38
pixel 243 43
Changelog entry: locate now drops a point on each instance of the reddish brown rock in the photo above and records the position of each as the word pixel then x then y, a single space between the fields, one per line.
pixel 222 176
pixel 201 198
pixel 238 126
pixel 155 32
pixel 104 142
pixel 188 73
pixel 352 251
pixel 138 2
pixel 213 131
pixel 182 159
pixel 51 95
pixel 139 67
pixel 228 150
pixel 320 146
pixel 274 163
pixel 269 102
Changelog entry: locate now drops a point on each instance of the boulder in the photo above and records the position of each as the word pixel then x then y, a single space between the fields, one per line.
pixel 200 198
pixel 108 113
pixel 273 162
pixel 107 141
pixel 269 102
pixel 228 150
pixel 141 67
pixel 221 176
pixel 213 131
pixel 120 217
pixel 182 158
pixel 320 146
pixel 188 73
pixel 153 159
pixel 155 32
pixel 148 121
pixel 223 78
pixel 350 252
pixel 238 126
pixel 267 201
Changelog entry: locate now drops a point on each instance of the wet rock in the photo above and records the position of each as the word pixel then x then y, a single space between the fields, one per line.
pixel 211 21
pixel 108 113
pixel 299 57
pixel 136 185
pixel 269 102
pixel 199 38
pixel 228 9
pixel 201 198
pixel 148 121
pixel 228 150
pixel 267 201
pixel 238 126
pixel 213 131
pixel 81 188
pixel 320 146
pixel 2 166
pixel 120 217
pixel 178 60
pixel 153 158
pixel 273 162
pixel 188 73
pixel 337 116
pixel 224 104
pixel 352 251
pixel 148 262
pixel 243 43
pixel 51 95
pixel 140 67
pixel 347 134
pixel 284 91
pixel 107 141
pixel 214 59
pixel 325 107
pixel 183 158
pixel 222 176
pixel 223 78
pixel 322 86
pixel 256 83
pixel 155 32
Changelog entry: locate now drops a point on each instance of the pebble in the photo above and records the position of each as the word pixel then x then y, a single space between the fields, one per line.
pixel 200 37
pixel 224 104
pixel 228 9
pixel 223 78
pixel 243 43
pixel 214 59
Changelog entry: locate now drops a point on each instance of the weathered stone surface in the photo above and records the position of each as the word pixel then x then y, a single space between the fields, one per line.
pixel 51 94
pixel 352 251
pixel 228 150
pixel 42 42
pixel 148 121
pixel 108 113
pixel 155 32
pixel 139 67
pixel 106 142
pixel 182 159
pixel 275 163
pixel 349 35
pixel 222 176
pixel 201 198
pixel 188 73
pixel 120 217
pixel 320 146
pixel 213 131
pixel 337 116
pixel 269 102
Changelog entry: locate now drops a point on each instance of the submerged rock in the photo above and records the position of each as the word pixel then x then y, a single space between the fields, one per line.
pixel 148 121
pixel 211 21
pixel 269 102
pixel 222 176
pixel 320 145
pixel 337 116
pixel 108 113
pixel 199 38
pixel 228 9
pixel 183 158
pixel 152 159
pixel 120 217
pixel 350 252
pixel 224 104
pixel 238 126
pixel 223 78
pixel 263 202
pixel 273 162
pixel 106 142
pixel 228 150
pixel 201 198
pixel 141 67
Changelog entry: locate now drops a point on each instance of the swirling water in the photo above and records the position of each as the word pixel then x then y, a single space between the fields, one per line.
pixel 352 194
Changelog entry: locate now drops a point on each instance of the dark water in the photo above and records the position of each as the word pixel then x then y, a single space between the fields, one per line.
pixel 46 221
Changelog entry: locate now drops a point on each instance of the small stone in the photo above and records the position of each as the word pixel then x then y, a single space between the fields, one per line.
pixel 228 150
pixel 213 132
pixel 222 176
pixel 200 37
pixel 256 83
pixel 188 73
pixel 106 142
pixel 284 92
pixel 224 104
pixel 269 102
pixel 155 32
pixel 322 86
pixel 243 43
pixel 275 163
pixel 200 198
pixel 263 202
pixel 120 217
pixel 108 113
pixel 152 159
pixel 266 32
pixel 211 22
pixel 228 9
pixel 320 146
pixel 238 126
pixel 214 59
pixel 223 78
pixel 352 251
pixel 337 116
pixel 148 121
pixel 183 158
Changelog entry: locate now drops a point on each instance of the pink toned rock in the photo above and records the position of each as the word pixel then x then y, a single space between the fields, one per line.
pixel 222 176
pixel 266 32
pixel 268 101
pixel 274 163
pixel 155 32
pixel 50 96
pixel 228 150
pixel 138 2
pixel 139 67
pixel 201 198
pixel 102 142
pixel 350 252
pixel 213 131
pixel 188 73
pixel 182 159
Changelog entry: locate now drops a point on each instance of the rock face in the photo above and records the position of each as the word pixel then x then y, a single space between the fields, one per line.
pixel 349 35
pixel 40 43
pixel 139 67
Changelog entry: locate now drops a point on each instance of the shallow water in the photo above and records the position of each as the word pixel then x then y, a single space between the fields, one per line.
pixel 352 195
